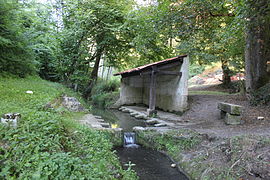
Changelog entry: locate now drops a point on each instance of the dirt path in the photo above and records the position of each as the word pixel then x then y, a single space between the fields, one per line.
pixel 204 117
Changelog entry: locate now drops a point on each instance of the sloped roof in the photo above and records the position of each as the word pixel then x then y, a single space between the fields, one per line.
pixel 148 66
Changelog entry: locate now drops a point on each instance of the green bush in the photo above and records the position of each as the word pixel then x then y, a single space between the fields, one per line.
pixel 104 94
pixel 16 56
pixel 195 69
pixel 261 96
pixel 106 86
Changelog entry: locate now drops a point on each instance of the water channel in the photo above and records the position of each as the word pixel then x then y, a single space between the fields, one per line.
pixel 148 163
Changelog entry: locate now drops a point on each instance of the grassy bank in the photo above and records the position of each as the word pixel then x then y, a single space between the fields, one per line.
pixel 48 143
pixel 204 157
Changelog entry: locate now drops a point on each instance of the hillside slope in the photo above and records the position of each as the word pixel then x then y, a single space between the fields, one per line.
pixel 48 144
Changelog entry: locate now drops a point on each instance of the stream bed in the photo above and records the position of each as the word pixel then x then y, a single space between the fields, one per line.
pixel 148 163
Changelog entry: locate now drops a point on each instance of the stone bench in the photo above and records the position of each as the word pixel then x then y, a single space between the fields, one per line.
pixel 231 113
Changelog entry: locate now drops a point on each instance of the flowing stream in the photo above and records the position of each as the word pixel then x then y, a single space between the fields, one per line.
pixel 148 163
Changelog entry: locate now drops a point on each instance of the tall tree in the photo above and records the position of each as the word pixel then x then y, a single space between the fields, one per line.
pixel 15 53
pixel 257 43
pixel 92 31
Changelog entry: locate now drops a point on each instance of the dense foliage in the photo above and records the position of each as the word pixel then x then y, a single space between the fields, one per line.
pixel 15 52
pixel 48 144
pixel 105 94
pixel 66 40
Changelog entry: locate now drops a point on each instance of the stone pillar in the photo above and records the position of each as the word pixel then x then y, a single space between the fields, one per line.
pixel 180 102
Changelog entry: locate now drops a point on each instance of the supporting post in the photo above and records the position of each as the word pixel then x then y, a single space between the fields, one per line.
pixel 152 94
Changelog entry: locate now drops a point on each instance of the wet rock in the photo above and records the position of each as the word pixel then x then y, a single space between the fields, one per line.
pixel 140 116
pixel 100 120
pixel 106 125
pixel 134 114
pixel 160 125
pixel 152 121
pixel 116 129
pixel 72 104
pixel 96 126
pixel 98 117
pixel 121 108
pixel 125 110
pixel 138 128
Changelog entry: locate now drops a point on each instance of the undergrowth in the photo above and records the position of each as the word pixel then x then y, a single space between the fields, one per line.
pixel 105 93
pixel 172 142
pixel 49 144
pixel 261 96
pixel 237 157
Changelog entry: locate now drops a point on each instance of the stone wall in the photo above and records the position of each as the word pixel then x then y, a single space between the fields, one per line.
pixel 171 90
pixel 131 90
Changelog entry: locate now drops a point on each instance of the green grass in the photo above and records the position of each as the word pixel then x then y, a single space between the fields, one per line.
pixel 207 93
pixel 173 142
pixel 48 143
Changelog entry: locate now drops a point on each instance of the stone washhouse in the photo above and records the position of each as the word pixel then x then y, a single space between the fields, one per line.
pixel 162 85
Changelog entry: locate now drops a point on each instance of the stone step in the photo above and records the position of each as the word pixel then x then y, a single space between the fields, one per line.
pixel 141 116
pixel 151 121
pixel 160 125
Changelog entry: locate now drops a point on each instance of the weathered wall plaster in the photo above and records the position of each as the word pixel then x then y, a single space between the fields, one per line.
pixel 171 90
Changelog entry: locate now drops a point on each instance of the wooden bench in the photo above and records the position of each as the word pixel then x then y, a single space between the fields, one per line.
pixel 231 113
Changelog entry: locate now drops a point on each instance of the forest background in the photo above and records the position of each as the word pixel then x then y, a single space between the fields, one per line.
pixel 65 40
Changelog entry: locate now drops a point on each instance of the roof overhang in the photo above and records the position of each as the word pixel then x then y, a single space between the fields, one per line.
pixel 160 64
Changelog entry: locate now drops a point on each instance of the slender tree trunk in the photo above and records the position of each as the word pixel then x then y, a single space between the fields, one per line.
pixel 257 50
pixel 226 78
pixel 94 75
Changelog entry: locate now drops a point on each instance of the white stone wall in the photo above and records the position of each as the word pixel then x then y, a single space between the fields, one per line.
pixel 131 90
pixel 171 90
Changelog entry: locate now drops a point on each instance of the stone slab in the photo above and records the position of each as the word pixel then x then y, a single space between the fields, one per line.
pixel 138 128
pixel 140 116
pixel 134 114
pixel 106 125
pixel 232 109
pixel 151 121
pixel 125 110
pixel 160 125
pixel 232 119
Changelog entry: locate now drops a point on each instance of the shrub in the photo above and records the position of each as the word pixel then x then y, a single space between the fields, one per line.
pixel 261 96
pixel 104 94
pixel 15 56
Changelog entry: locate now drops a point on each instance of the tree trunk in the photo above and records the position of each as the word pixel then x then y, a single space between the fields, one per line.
pixel 226 78
pixel 94 75
pixel 257 50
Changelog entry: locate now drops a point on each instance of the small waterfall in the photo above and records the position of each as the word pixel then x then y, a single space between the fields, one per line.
pixel 129 140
